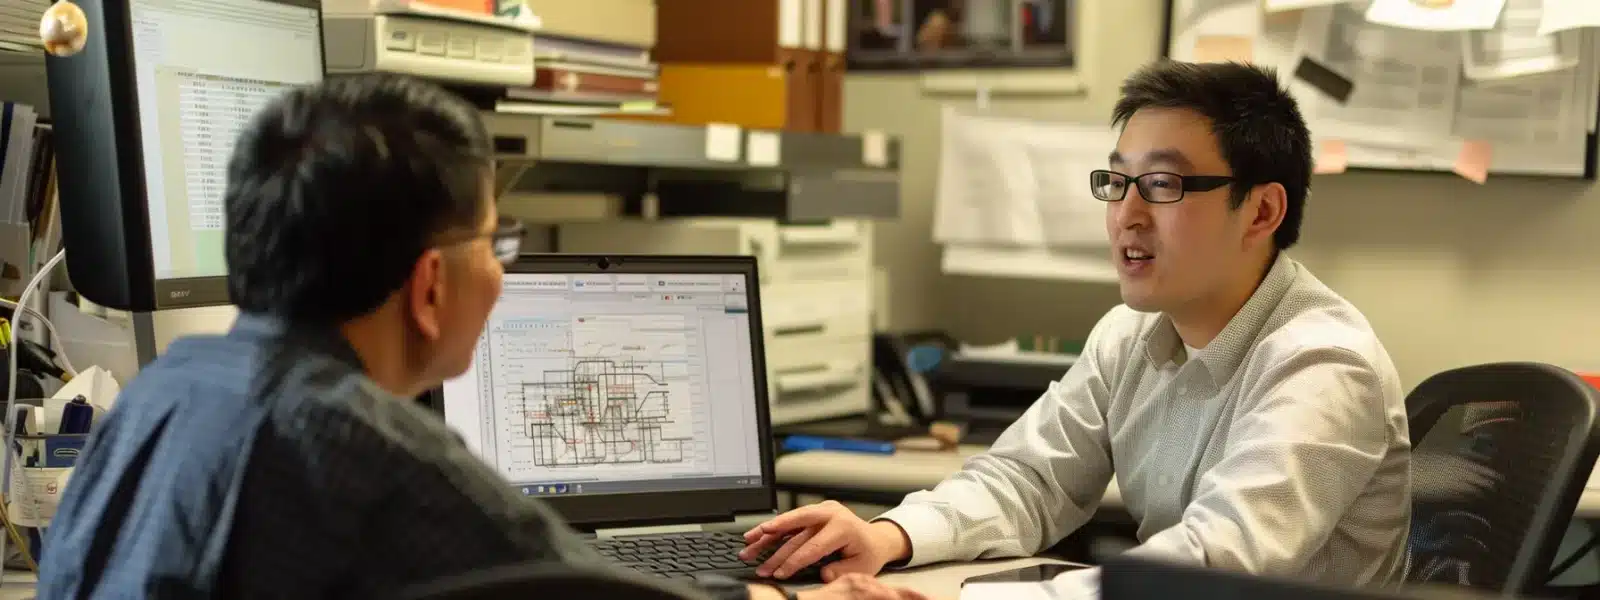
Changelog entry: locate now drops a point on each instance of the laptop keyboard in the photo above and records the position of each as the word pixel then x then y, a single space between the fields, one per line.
pixel 684 555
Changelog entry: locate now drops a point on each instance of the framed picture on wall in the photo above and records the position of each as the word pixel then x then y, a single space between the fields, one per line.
pixel 960 34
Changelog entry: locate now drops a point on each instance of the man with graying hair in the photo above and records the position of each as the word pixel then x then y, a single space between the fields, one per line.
pixel 287 457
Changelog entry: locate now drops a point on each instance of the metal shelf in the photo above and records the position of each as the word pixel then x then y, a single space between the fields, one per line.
pixel 797 176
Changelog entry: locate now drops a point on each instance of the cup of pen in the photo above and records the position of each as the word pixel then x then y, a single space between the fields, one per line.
pixel 39 466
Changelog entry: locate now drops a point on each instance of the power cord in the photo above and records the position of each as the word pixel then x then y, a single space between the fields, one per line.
pixel 1572 560
pixel 11 385
pixel 55 338
pixel 16 317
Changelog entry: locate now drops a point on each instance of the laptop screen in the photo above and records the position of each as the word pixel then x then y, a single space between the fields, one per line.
pixel 617 383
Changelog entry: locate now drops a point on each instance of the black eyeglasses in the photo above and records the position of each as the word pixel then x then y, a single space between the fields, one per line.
pixel 506 239
pixel 1155 188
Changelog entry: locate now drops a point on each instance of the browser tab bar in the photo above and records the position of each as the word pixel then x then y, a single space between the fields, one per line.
pixel 593 283
pixel 633 283
pixel 686 283
pixel 536 283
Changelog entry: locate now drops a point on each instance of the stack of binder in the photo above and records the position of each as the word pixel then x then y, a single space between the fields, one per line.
pixel 590 56
pixel 27 187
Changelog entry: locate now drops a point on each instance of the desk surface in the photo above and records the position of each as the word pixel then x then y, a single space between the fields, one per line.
pixel 943 581
pixel 905 472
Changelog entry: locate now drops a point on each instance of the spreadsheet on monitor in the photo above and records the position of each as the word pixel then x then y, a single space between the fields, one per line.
pixel 202 70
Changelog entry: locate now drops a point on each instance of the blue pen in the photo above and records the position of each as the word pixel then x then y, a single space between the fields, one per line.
pixel 801 443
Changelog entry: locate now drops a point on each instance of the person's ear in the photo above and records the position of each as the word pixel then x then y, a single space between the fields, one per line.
pixel 1264 209
pixel 425 293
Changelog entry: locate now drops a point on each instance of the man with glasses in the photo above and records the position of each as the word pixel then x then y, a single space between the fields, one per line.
pixel 1249 415
pixel 288 458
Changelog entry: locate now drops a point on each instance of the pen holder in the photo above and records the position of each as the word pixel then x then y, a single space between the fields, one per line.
pixel 36 470
pixel 41 467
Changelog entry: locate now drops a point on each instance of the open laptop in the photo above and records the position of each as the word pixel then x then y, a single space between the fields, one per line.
pixel 626 392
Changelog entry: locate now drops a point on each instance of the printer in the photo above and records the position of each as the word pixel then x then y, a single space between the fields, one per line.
pixel 440 43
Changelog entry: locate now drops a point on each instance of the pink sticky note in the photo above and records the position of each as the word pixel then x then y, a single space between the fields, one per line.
pixel 1332 158
pixel 1223 48
pixel 1473 161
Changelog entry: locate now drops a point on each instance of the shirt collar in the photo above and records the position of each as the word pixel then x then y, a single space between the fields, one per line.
pixel 321 339
pixel 1224 354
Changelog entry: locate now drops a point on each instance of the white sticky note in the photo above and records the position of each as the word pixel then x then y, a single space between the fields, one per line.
pixel 763 149
pixel 874 149
pixel 723 142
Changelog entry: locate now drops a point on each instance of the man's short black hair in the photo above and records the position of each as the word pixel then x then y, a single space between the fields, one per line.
pixel 335 190
pixel 1257 124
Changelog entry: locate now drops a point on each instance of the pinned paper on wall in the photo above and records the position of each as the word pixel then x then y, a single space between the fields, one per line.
pixel 1472 163
pixel 1435 15
pixel 1333 157
pixel 1223 48
pixel 1282 6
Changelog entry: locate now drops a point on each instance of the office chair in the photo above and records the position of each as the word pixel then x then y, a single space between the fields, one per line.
pixel 1501 453
pixel 538 581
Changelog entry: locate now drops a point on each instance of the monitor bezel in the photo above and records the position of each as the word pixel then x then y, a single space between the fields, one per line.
pixel 105 216
pixel 588 512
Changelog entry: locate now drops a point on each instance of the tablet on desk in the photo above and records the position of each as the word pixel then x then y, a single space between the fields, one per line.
pixel 1039 572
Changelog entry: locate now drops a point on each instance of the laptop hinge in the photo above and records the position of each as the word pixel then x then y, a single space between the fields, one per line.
pixel 656 530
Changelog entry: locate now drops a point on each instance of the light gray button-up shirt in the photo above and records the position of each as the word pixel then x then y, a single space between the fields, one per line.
pixel 1279 448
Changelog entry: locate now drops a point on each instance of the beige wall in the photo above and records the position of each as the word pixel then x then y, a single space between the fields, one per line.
pixel 1450 273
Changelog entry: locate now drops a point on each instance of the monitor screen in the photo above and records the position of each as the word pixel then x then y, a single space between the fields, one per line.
pixel 600 383
pixel 202 68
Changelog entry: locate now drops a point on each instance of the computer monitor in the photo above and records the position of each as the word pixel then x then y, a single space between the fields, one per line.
pixel 625 391
pixel 145 120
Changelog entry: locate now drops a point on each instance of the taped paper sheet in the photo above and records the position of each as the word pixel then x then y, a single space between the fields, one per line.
pixel 1562 15
pixel 1514 47
pixel 1019 182
pixel 1272 6
pixel 1460 15
pixel 1527 111
pixel 1403 82
pixel 1224 48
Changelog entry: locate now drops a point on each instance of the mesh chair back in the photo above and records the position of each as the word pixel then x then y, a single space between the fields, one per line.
pixel 1501 453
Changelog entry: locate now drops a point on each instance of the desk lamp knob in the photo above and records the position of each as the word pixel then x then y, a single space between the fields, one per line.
pixel 64 29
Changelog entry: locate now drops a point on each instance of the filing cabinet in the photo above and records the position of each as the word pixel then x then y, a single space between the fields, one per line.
pixel 816 299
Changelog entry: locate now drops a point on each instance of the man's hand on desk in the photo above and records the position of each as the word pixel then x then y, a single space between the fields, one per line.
pixel 850 586
pixel 816 531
